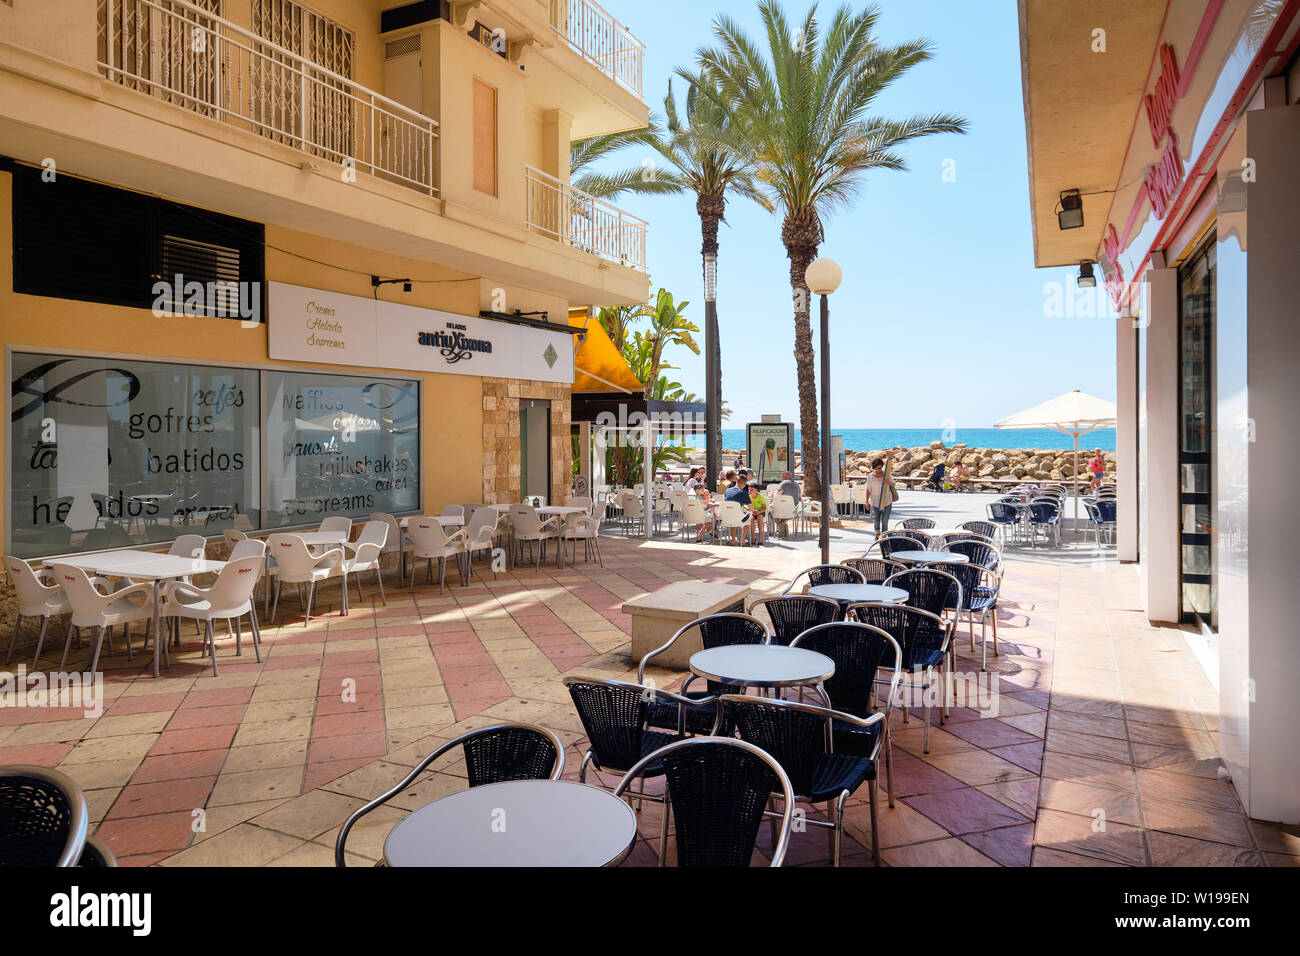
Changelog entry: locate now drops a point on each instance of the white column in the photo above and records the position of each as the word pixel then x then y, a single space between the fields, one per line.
pixel 1159 471
pixel 1126 411
pixel 647 479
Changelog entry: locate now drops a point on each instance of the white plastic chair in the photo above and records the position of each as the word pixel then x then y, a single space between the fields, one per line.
pixel 840 497
pixel 694 514
pixel 456 511
pixel 482 532
pixel 366 551
pixel 36 598
pixel 731 517
pixel 633 513
pixel 230 597
pixel 397 542
pixel 93 608
pixel 429 541
pixel 528 527
pixel 299 566
pixel 782 508
pixel 336 524
pixel 586 529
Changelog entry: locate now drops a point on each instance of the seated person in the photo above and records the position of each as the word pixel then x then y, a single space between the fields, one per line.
pixel 935 480
pixel 740 493
pixel 758 508
pixel 960 476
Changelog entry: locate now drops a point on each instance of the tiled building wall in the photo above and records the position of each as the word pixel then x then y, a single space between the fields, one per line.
pixel 501 452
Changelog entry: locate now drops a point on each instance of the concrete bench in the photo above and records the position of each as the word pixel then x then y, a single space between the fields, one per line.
pixel 659 615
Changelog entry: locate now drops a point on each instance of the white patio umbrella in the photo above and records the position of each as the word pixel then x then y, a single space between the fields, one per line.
pixel 1074 413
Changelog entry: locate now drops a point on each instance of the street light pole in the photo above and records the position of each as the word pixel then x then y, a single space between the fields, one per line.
pixel 823 277
pixel 712 413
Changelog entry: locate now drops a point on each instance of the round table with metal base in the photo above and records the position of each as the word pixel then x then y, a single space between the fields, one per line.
pixel 763 665
pixel 516 823
pixel 860 593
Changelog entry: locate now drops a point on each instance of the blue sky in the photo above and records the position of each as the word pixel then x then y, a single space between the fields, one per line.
pixel 941 316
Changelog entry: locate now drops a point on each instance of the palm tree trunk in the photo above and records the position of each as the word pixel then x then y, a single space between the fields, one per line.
pixel 801 235
pixel 711 209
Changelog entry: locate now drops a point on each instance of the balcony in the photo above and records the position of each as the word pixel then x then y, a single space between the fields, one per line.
pixel 598 38
pixel 560 211
pixel 179 52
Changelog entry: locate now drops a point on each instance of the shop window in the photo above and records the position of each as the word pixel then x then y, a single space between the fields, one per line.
pixel 74 239
pixel 109 453
pixel 338 444
pixel 485 138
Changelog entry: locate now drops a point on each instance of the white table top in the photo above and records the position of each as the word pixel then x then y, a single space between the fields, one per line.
pixel 561 510
pixel 860 593
pixel 929 557
pixel 143 565
pixel 517 823
pixel 762 665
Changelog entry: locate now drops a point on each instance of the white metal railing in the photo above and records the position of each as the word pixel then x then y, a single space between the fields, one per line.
pixel 180 52
pixel 599 38
pixel 560 211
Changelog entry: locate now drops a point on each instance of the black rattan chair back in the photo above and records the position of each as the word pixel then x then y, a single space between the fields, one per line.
pixel 967 575
pixel 889 546
pixel 929 590
pixel 918 524
pixel 873 570
pixel 718 789
pixel 986 528
pixel 858 651
pixel 795 737
pixel 793 614
pixel 721 630
pixel 43 818
pixel 614 717
pixel 509 752
pixel 986 556
pixel 897 620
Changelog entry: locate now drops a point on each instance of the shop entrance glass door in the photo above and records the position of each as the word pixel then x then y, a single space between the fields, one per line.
pixel 535 449
pixel 1196 337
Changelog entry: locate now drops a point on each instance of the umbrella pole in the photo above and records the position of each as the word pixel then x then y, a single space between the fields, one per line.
pixel 1076 480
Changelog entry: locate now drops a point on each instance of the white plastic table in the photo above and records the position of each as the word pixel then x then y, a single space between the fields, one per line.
pixel 517 823
pixel 145 566
pixel 447 521
pixel 315 539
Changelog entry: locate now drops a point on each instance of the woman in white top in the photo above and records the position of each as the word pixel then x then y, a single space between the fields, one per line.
pixel 882 494
pixel 693 481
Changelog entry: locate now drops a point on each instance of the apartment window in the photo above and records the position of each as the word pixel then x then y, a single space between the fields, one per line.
pixel 74 239
pixel 485 137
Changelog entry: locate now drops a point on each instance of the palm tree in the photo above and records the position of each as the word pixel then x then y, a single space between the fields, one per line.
pixel 701 154
pixel 801 106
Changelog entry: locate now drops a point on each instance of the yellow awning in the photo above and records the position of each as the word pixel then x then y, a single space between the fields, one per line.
pixel 597 365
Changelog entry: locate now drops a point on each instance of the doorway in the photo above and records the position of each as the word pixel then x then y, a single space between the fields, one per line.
pixel 535 449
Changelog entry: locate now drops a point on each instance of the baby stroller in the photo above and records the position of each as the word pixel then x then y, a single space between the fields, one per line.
pixel 935 481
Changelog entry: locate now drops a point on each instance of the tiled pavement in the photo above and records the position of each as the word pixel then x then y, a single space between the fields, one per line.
pixel 1103 750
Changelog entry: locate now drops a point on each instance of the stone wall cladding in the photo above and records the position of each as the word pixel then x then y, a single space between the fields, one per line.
pixel 501 451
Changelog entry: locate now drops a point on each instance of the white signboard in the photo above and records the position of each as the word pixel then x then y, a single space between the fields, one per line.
pixel 311 325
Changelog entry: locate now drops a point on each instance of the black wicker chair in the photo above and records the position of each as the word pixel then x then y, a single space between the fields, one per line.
pixel 874 570
pixel 798 736
pixel 859 652
pixel 918 524
pixel 932 589
pixel 890 544
pixel 820 574
pixel 718 790
pixel 492 755
pixel 43 818
pixel 96 855
pixel 716 630
pixel 986 528
pixel 925 657
pixel 980 588
pixel 985 554
pixel 793 614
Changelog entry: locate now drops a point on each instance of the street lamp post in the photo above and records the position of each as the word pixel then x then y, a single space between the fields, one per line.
pixel 712 413
pixel 823 277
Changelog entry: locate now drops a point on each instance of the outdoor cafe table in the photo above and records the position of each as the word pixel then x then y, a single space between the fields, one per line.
pixel 447 521
pixel 929 557
pixel 145 566
pixel 516 823
pixel 561 511
pixel 762 665
pixel 860 593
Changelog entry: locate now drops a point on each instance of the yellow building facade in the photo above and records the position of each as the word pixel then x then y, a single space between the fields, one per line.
pixel 352 215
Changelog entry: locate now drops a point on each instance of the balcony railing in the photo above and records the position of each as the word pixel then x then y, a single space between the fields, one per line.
pixel 598 37
pixel 181 53
pixel 559 211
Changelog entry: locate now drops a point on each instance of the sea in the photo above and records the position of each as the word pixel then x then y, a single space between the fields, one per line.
pixel 873 439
